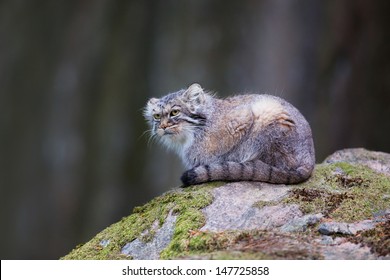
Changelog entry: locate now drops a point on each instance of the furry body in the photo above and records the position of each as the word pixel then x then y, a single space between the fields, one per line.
pixel 242 138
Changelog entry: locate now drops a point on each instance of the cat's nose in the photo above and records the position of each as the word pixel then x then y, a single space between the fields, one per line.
pixel 164 125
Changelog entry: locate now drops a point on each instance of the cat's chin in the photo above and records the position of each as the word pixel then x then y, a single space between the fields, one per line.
pixel 173 139
pixel 177 142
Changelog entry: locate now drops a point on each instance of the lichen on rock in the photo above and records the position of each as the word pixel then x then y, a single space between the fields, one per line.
pixel 142 225
pixel 341 212
pixel 343 191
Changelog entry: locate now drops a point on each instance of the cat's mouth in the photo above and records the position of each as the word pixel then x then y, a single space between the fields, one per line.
pixel 169 131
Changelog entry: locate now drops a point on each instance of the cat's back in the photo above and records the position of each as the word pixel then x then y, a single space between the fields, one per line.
pixel 259 110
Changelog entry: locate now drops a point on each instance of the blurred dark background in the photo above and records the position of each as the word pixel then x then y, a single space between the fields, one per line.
pixel 75 75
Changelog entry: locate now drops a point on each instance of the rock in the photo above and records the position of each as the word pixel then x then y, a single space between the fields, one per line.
pixel 347 251
pixel 139 249
pixel 326 240
pixel 377 161
pixel 239 213
pixel 345 228
pixel 302 223
pixel 341 212
pixel 104 243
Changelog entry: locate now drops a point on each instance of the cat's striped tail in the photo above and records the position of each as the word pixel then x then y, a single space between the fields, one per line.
pixel 255 170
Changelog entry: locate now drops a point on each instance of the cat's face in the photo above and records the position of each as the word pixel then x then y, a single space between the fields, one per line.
pixel 175 117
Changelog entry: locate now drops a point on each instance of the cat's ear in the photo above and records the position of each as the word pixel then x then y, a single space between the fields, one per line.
pixel 152 101
pixel 194 93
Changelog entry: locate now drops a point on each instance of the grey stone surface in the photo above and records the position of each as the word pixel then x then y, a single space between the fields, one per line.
pixel 277 226
pixel 345 228
pixel 326 240
pixel 300 224
pixel 104 243
pixel 382 215
pixel 377 161
pixel 232 208
pixel 140 250
pixel 347 251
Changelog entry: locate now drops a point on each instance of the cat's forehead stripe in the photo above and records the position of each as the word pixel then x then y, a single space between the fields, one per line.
pixel 165 107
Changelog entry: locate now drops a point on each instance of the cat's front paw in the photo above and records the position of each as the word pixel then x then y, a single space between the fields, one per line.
pixel 189 178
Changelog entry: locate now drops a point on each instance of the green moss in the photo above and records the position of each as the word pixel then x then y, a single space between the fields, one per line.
pixel 188 242
pixel 197 243
pixel 262 203
pixel 343 192
pixel 254 244
pixel 186 203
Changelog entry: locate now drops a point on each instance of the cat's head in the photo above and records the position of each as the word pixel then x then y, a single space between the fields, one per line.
pixel 175 117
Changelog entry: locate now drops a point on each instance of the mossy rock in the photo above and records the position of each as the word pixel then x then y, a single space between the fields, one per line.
pixel 343 192
pixel 146 220
pixel 252 220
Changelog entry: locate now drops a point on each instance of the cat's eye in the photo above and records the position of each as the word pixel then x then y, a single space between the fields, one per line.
pixel 174 113
pixel 157 116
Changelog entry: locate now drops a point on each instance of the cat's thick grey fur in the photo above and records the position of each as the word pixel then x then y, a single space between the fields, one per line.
pixel 248 137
